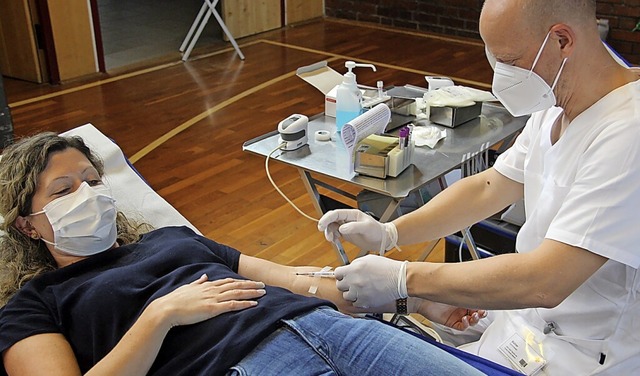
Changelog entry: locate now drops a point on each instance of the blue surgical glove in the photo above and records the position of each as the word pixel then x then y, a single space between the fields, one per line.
pixel 372 281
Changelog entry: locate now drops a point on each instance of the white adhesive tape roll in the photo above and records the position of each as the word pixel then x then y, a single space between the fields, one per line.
pixel 323 135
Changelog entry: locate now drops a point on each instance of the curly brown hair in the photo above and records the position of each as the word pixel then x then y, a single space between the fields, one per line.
pixel 21 257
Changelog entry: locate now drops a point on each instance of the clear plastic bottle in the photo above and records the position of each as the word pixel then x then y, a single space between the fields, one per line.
pixel 348 96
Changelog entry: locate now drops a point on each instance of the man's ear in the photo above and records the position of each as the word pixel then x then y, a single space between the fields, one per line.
pixel 566 38
pixel 24 226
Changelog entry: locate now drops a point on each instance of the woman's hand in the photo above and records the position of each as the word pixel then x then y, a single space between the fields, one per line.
pixel 203 299
pixel 453 317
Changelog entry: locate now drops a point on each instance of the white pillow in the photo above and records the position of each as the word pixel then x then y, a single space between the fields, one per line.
pixel 133 195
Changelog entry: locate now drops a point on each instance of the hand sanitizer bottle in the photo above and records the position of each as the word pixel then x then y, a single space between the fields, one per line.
pixel 348 96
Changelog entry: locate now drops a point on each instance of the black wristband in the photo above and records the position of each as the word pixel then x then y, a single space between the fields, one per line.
pixel 401 306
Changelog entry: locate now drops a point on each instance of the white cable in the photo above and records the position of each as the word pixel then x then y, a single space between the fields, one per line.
pixel 433 333
pixel 266 167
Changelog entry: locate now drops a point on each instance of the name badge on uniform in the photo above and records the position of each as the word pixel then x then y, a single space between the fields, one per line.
pixel 524 354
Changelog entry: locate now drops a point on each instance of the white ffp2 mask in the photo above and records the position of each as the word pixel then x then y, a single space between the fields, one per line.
pixel 83 222
pixel 522 91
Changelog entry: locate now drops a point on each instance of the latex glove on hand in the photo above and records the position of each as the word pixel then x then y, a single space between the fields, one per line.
pixel 360 229
pixel 372 281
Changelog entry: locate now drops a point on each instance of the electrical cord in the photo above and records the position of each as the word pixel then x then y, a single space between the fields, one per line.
pixel 266 167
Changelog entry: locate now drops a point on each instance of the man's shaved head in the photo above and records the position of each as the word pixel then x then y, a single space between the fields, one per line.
pixel 545 13
pixel 512 29
pixel 537 15
pixel 559 41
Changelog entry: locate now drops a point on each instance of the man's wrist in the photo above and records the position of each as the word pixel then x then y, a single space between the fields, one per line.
pixel 414 305
pixel 409 277
pixel 401 306
pixel 402 280
pixel 391 238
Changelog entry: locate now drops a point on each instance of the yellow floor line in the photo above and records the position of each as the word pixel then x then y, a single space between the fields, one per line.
pixel 167 136
pixel 114 79
pixel 409 32
pixel 229 49
pixel 167 65
pixel 90 85
pixel 379 64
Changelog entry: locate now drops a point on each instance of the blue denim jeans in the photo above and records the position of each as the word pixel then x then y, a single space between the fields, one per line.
pixel 327 342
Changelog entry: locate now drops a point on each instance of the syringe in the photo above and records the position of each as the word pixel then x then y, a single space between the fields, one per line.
pixel 328 274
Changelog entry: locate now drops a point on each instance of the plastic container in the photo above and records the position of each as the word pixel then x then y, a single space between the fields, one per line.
pixel 349 96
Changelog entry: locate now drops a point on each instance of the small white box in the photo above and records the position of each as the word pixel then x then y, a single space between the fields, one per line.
pixel 330 102
pixel 325 79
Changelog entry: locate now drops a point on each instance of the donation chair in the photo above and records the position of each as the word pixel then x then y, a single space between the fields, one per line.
pixel 136 198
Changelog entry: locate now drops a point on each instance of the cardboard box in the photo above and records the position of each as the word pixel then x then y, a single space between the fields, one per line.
pixel 381 156
pixel 325 79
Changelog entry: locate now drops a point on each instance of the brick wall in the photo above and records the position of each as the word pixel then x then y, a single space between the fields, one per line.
pixel 623 15
pixel 460 18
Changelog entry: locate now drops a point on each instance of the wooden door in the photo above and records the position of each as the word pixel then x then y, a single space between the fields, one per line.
pixel 248 17
pixel 302 10
pixel 19 57
pixel 74 42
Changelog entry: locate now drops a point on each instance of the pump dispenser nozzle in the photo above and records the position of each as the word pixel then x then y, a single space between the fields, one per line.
pixel 348 96
pixel 350 77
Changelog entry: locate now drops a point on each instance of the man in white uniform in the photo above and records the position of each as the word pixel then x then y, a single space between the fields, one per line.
pixel 568 301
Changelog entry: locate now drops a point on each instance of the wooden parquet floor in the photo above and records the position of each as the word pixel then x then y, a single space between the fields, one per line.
pixel 183 124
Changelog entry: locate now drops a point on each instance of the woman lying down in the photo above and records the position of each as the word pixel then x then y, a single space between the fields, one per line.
pixel 86 291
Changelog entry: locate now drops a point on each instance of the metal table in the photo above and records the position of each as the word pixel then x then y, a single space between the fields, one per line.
pixel 321 157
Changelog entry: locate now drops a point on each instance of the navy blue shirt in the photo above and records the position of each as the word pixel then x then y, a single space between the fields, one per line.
pixel 93 302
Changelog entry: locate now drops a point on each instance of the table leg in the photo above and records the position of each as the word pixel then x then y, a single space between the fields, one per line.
pixel 312 191
pixel 431 245
pixel 315 200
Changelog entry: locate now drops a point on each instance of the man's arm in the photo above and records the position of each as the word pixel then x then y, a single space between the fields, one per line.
pixel 541 278
pixel 464 203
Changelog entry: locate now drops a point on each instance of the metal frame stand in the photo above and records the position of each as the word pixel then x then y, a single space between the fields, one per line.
pixel 208 8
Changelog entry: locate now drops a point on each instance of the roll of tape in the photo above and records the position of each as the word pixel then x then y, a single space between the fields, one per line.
pixel 323 135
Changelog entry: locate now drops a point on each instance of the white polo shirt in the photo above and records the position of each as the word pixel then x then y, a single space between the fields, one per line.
pixel 584 190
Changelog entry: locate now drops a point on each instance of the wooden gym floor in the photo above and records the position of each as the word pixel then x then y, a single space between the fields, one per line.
pixel 183 124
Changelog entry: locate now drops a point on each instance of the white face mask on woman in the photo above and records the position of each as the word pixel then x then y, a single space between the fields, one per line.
pixel 522 91
pixel 83 222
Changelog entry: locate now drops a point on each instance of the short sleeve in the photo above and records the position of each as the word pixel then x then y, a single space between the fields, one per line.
pixel 230 256
pixel 600 211
pixel 511 162
pixel 25 315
